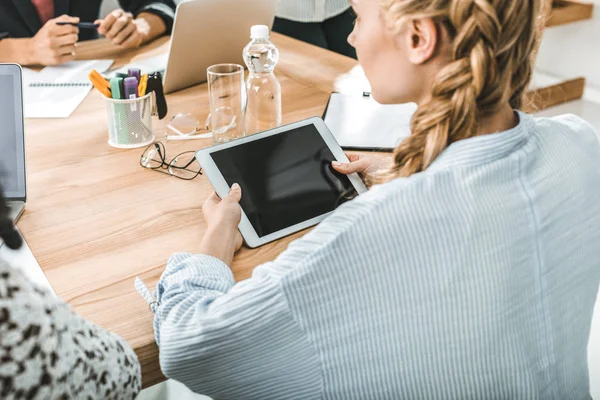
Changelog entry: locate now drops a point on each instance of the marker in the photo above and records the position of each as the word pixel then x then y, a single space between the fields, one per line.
pixel 135 72
pixel 131 87
pixel 100 83
pixel 143 85
pixel 80 25
pixel 116 85
pixel 119 113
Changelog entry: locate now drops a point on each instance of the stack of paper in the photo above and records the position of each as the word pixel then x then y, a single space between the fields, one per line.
pixel 55 92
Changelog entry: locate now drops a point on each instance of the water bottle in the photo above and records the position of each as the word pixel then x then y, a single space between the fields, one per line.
pixel 263 104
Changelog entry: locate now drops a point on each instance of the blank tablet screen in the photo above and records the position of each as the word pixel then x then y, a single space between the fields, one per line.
pixel 286 178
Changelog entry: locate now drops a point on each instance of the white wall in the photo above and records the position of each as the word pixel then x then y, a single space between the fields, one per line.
pixel 573 50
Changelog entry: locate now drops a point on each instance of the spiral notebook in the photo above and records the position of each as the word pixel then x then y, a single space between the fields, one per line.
pixel 57 91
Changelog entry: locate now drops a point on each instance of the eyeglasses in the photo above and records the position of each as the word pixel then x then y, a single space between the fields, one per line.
pixel 187 127
pixel 183 166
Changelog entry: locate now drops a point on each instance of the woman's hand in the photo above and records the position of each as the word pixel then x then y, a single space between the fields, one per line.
pixel 125 31
pixel 54 44
pixel 363 165
pixel 222 238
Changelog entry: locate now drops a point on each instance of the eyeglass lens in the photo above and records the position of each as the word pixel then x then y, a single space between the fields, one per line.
pixel 185 166
pixel 154 156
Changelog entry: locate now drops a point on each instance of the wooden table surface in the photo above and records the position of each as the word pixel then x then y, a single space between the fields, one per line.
pixel 95 219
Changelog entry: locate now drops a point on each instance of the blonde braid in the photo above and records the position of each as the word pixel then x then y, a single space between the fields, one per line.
pixel 493 43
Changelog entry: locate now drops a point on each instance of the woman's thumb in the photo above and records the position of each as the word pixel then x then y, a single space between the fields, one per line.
pixel 235 193
pixel 346 168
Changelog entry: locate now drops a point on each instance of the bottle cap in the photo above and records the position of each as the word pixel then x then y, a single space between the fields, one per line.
pixel 259 32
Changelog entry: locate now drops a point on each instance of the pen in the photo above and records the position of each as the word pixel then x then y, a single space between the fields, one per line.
pixel 80 25
pixel 100 83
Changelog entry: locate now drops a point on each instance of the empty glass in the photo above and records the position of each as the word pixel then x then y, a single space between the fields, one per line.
pixel 225 94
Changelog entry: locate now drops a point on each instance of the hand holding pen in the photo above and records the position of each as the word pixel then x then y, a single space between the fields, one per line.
pixel 55 43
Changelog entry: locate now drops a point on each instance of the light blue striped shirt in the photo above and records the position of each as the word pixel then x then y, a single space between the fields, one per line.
pixel 474 279
pixel 311 10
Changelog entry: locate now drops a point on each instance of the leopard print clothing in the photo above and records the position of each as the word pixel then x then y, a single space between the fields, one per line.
pixel 49 352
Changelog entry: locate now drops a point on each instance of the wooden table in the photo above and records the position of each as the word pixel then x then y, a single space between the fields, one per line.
pixel 95 219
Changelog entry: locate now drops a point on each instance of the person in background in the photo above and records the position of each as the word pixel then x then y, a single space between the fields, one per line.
pixel 29 34
pixel 47 352
pixel 325 23
pixel 469 271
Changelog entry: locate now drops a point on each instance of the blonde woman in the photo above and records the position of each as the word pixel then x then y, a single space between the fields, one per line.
pixel 468 272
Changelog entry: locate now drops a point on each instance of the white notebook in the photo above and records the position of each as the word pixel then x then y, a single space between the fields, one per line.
pixel 360 123
pixel 55 92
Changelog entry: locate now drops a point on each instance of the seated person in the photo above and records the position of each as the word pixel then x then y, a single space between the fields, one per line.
pixel 47 351
pixel 29 34
pixel 469 272
pixel 326 24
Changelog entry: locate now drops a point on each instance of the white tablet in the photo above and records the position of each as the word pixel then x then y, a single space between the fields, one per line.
pixel 287 180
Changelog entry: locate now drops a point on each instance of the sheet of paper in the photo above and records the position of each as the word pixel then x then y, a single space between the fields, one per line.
pixel 55 92
pixel 359 122
pixel 147 66
pixel 24 260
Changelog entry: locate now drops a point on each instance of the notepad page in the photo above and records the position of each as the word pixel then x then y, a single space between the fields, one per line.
pixel 56 91
pixel 359 122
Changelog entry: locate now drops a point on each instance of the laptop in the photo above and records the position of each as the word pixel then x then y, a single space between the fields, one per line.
pixel 12 139
pixel 206 32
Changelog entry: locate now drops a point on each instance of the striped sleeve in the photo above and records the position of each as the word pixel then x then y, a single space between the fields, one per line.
pixel 231 341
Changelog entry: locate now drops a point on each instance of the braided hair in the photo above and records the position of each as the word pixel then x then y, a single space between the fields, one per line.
pixel 8 233
pixel 493 45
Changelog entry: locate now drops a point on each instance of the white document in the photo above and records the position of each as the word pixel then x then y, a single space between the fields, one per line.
pixel 359 122
pixel 147 66
pixel 24 260
pixel 55 92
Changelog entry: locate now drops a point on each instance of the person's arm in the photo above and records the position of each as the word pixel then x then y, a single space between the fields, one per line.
pixel 163 9
pixel 60 354
pixel 232 341
pixel 51 45
pixel 241 340
pixel 16 51
pixel 139 22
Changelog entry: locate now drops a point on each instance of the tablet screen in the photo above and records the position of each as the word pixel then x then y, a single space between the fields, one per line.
pixel 286 178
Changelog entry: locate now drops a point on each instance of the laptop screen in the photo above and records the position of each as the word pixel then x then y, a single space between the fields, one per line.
pixel 12 138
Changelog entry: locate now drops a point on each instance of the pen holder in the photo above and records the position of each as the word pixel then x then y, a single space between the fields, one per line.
pixel 130 122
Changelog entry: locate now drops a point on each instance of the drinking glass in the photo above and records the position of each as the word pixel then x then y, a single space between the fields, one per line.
pixel 225 94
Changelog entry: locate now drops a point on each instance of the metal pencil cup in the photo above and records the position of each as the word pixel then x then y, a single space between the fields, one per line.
pixel 130 122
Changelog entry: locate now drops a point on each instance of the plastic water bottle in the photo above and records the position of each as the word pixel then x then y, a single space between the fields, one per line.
pixel 263 106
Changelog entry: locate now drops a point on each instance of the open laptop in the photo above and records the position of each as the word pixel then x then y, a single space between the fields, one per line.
pixel 206 32
pixel 12 139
